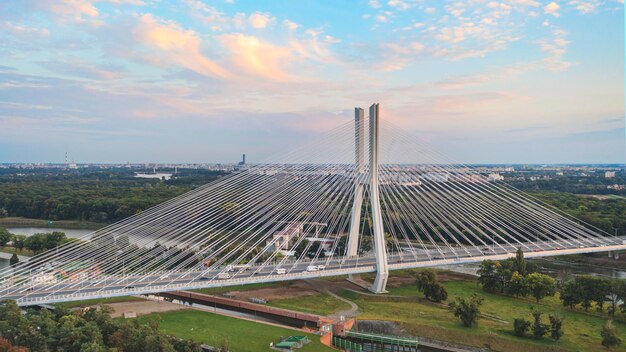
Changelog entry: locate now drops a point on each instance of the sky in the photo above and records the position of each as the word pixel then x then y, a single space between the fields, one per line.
pixel 199 81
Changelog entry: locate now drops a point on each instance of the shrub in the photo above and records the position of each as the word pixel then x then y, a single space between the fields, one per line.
pixel 520 327
pixel 467 310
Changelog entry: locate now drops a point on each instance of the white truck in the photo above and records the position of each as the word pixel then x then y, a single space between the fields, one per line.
pixel 281 271
pixel 312 268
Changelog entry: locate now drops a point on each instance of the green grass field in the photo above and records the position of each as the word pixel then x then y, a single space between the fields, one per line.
pixel 213 329
pixel 321 304
pixel 421 317
pixel 220 290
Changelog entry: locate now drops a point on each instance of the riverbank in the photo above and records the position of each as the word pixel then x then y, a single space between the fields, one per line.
pixel 67 224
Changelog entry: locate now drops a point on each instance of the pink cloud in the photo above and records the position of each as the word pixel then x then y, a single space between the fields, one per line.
pixel 176 45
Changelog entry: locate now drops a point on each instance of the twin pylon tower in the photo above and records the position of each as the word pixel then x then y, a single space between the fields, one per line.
pixel 369 181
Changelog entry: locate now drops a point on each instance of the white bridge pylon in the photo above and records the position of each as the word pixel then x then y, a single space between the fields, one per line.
pixel 380 250
pixel 365 197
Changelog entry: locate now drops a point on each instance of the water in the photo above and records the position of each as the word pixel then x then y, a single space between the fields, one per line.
pixel 29 231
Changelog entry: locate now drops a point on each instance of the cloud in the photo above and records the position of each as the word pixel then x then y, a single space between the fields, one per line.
pixel 258 57
pixel 260 20
pixel 24 31
pixel 556 47
pixel 399 4
pixel 175 45
pixel 84 69
pixel 584 7
pixel 70 10
pixel 292 26
pixel 374 4
pixel 208 15
pixel 552 9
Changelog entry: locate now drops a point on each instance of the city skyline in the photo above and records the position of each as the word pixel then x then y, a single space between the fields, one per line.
pixel 517 81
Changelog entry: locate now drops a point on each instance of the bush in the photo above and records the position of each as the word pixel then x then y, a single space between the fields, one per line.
pixel 467 310
pixel 539 328
pixel 426 282
pixel 609 336
pixel 520 327
pixel 556 327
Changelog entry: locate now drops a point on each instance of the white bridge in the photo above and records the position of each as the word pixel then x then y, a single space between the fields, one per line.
pixel 317 210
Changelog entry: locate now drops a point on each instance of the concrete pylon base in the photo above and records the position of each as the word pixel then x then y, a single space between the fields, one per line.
pixel 380 283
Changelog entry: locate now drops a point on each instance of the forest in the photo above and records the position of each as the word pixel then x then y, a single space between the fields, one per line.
pixel 94 195
pixel 109 195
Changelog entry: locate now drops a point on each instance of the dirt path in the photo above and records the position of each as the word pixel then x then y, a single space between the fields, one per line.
pixel 143 307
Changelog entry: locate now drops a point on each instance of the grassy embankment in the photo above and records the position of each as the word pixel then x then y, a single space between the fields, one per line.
pixel 321 304
pixel 423 318
pixel 213 329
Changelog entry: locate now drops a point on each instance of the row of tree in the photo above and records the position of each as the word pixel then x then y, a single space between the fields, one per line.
pixel 585 290
pixel 515 277
pixel 518 278
pixel 92 330
pixel 555 326
pixel 36 243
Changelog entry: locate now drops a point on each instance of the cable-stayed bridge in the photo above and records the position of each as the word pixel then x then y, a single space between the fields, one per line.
pixel 365 197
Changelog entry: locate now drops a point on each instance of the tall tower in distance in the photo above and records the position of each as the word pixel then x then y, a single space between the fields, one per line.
pixel 243 160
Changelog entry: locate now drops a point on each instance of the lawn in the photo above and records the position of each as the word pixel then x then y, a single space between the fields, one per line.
pixel 220 290
pixel 423 318
pixel 321 304
pixel 213 329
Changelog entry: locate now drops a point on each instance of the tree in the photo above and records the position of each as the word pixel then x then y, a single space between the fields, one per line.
pixel 19 242
pixel 609 335
pixel 520 327
pixel 519 264
pixel 556 327
pixel 426 282
pixel 517 285
pixel 467 310
pixel 540 285
pixel 14 260
pixel 5 236
pixel 488 275
pixel 570 293
pixel 539 328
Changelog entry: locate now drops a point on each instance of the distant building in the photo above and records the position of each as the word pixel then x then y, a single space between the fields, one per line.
pixel 495 177
pixel 243 160
pixel 616 187
pixel 609 174
pixel 280 239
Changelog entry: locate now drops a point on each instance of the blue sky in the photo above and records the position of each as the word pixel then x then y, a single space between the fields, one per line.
pixel 511 81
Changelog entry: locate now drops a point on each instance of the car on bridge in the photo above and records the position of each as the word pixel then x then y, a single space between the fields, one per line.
pixel 311 268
